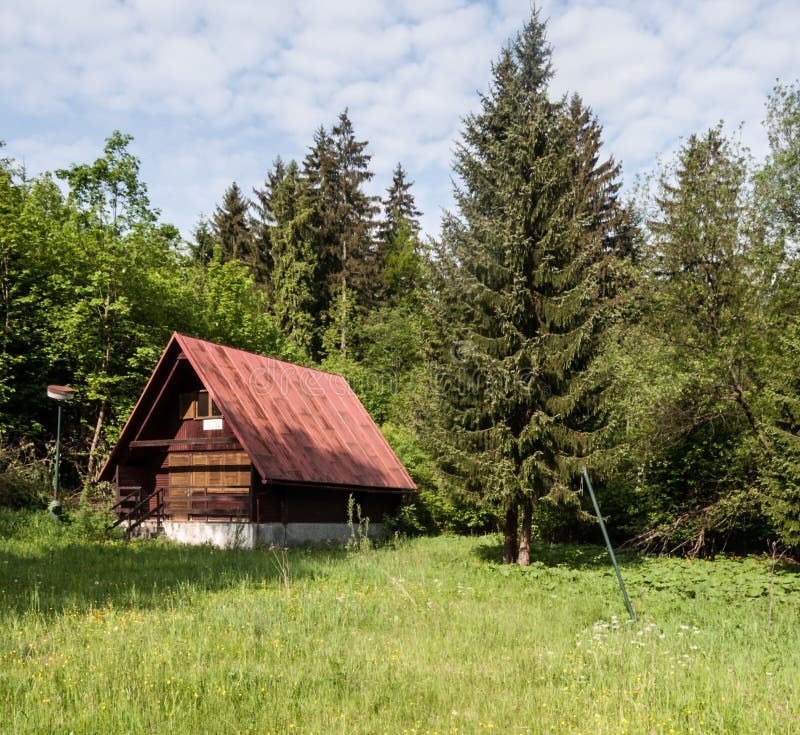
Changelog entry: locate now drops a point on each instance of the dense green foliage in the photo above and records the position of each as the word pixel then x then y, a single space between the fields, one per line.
pixel 553 325
pixel 779 189
pixel 692 415
pixel 427 636
pixel 92 286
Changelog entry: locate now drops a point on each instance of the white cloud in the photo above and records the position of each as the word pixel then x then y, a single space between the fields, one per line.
pixel 48 152
pixel 215 91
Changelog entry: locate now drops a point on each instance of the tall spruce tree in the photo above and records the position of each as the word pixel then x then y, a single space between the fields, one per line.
pixel 398 206
pixel 525 281
pixel 398 257
pixel 288 210
pixel 201 249
pixel 708 274
pixel 233 231
pixel 337 167
pixel 262 224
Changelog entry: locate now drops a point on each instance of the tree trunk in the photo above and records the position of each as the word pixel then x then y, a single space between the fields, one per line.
pixel 6 307
pixel 98 427
pixel 524 556
pixel 738 392
pixel 510 537
pixel 343 343
pixel 101 415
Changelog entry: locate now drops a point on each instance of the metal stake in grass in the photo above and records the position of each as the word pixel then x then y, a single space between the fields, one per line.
pixel 608 544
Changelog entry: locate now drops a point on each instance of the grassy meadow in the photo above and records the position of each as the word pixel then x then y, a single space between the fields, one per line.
pixel 418 637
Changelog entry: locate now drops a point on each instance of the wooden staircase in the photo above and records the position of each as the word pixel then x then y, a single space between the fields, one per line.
pixel 134 508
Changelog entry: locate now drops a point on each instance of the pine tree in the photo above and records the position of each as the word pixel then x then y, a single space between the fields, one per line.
pixel 403 267
pixel 289 210
pixel 233 231
pixel 525 281
pixel 707 271
pixel 399 207
pixel 337 167
pixel 263 223
pixel 397 248
pixel 201 249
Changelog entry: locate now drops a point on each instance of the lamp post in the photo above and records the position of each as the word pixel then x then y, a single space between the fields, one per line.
pixel 58 393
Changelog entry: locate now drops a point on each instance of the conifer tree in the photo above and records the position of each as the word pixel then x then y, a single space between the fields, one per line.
pixel 263 223
pixel 707 272
pixel 403 267
pixel 288 210
pixel 233 231
pixel 398 207
pixel 695 412
pixel 337 167
pixel 397 246
pixel 525 280
pixel 201 249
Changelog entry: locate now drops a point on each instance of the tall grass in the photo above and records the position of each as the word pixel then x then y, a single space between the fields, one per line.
pixel 425 636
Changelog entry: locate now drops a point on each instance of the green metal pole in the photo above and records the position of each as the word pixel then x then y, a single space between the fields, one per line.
pixel 58 456
pixel 608 545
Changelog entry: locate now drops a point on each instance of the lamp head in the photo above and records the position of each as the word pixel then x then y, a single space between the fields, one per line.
pixel 60 392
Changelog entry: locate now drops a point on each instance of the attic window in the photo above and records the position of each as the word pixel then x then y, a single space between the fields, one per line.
pixel 206 408
pixel 199 405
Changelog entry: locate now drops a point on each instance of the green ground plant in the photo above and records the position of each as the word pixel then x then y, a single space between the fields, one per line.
pixel 424 636
pixel 24 478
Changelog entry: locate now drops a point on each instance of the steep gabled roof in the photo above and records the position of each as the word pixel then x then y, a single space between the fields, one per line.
pixel 297 424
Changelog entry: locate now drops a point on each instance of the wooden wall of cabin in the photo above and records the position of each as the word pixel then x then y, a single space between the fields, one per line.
pixel 140 474
pixel 299 504
pixel 209 485
pixel 208 481
pixel 171 419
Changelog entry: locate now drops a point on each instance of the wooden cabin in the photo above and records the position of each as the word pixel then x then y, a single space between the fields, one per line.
pixel 225 446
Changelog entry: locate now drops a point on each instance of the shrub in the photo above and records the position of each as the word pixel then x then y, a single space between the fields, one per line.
pixel 24 478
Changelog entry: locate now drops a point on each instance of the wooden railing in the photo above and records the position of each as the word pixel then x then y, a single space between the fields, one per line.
pixel 135 509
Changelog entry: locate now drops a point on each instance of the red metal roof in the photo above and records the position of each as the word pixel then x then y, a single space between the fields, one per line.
pixel 297 424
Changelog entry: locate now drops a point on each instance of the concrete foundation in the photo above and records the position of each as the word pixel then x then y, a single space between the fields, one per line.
pixel 222 535
pixel 251 535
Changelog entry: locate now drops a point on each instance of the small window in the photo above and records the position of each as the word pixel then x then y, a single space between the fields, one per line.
pixel 206 407
pixel 198 405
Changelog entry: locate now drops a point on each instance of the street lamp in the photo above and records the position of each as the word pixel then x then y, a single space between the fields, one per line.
pixel 58 393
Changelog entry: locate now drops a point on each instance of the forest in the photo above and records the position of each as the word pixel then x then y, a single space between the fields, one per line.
pixel 651 334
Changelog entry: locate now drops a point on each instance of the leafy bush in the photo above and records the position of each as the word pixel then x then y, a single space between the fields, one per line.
pixel 24 478
pixel 431 510
pixel 91 524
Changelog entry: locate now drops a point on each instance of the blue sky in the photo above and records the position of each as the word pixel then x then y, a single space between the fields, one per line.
pixel 213 91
